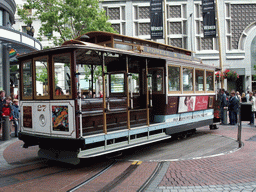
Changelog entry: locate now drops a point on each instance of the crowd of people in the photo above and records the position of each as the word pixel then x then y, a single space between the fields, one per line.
pixel 231 102
pixel 9 107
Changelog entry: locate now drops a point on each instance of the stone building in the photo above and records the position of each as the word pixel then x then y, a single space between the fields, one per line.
pixel 185 30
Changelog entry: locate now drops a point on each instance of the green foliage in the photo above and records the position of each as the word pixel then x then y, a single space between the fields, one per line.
pixel 42 75
pixel 14 68
pixel 69 18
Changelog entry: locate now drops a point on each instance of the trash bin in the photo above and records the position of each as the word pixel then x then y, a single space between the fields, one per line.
pixel 225 115
pixel 246 111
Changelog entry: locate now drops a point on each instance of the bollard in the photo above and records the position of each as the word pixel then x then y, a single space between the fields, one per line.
pixel 6 128
pixel 225 116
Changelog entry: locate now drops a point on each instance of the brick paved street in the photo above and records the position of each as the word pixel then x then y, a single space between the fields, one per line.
pixel 231 171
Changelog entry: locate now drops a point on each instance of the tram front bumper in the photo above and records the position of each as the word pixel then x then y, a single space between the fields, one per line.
pixel 47 142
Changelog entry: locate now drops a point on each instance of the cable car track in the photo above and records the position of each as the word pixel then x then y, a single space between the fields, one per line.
pixel 92 178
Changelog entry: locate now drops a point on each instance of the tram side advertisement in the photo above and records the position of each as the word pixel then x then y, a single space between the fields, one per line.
pixel 27 116
pixel 192 103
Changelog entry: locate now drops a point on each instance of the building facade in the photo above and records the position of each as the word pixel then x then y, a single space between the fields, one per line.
pixel 12 42
pixel 185 29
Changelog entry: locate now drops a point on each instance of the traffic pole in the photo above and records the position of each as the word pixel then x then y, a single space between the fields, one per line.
pixel 6 128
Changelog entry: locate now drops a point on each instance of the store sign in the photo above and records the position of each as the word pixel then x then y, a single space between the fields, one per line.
pixel 209 22
pixel 156 19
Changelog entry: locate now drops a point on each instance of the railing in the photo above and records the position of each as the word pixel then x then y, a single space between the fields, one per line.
pixel 12 36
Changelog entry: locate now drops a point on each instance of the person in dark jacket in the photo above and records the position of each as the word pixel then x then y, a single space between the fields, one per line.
pixel 233 106
pixel 223 104
pixel 16 115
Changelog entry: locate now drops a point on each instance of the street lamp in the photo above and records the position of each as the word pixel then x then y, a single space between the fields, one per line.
pixel 30 30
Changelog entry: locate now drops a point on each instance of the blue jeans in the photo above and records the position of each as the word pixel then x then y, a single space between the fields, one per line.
pixel 233 117
pixel 252 118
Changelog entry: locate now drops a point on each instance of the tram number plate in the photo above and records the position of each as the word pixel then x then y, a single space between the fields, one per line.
pixel 41 107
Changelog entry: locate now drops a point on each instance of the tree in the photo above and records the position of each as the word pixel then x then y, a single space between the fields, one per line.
pixel 69 18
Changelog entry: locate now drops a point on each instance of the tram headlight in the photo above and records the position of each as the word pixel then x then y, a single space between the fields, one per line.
pixel 42 120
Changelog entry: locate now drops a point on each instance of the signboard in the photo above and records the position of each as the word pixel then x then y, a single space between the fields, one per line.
pixel 193 103
pixel 27 116
pixel 201 103
pixel 156 51
pixel 187 104
pixel 209 23
pixel 156 19
pixel 172 105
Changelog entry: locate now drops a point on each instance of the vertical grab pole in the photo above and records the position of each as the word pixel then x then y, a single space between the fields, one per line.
pixel 147 93
pixel 104 95
pixel 128 95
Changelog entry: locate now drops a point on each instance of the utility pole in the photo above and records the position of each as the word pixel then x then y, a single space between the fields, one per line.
pixel 219 42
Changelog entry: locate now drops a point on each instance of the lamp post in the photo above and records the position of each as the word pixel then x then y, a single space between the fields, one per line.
pixel 30 30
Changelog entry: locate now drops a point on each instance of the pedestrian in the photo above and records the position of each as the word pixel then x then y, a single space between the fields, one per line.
pixel 247 95
pixel 233 106
pixel 253 102
pixel 16 115
pixel 243 98
pixel 7 108
pixel 223 105
pixel 2 102
pixel 238 96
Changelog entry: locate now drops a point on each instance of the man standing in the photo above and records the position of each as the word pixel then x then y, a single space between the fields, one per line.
pixel 233 106
pixel 223 104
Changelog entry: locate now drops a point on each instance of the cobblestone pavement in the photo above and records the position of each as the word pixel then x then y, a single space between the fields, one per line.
pixel 235 171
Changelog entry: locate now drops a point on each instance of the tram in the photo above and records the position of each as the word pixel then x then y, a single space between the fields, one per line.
pixel 137 92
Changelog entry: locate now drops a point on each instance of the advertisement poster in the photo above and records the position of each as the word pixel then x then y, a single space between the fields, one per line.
pixel 193 103
pixel 187 104
pixel 27 116
pixel 60 118
pixel 172 105
pixel 201 103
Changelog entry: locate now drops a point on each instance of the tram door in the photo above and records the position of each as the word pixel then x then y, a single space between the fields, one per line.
pixel 157 95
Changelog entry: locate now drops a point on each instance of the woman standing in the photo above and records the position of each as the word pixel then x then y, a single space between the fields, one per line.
pixel 243 98
pixel 252 101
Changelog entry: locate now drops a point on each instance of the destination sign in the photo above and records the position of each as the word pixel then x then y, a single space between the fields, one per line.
pixel 169 54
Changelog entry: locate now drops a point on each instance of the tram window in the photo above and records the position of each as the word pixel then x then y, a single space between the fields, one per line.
pixel 199 80
pixel 62 77
pixel 42 77
pixel 134 83
pixel 27 79
pixel 187 79
pixel 174 78
pixel 117 83
pixel 157 80
pixel 209 81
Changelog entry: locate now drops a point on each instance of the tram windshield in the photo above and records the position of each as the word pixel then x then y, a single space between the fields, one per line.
pixel 62 77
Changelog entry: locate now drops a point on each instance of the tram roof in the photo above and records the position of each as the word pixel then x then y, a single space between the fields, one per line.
pixel 111 39
pixel 82 45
